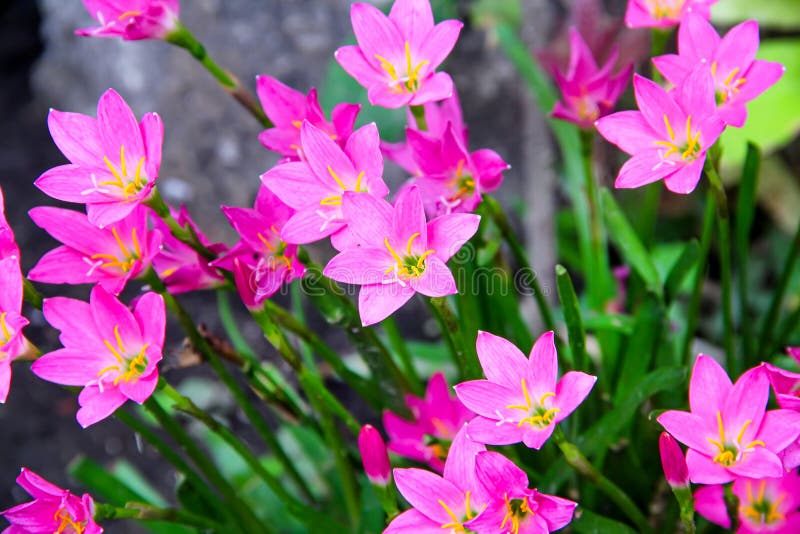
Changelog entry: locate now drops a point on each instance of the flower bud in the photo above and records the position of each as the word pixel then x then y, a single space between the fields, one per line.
pixel 673 462
pixel 374 456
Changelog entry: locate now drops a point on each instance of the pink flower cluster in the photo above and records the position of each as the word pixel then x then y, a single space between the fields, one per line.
pixel 732 437
pixel 479 491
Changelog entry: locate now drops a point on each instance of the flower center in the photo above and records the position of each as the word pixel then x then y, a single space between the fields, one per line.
pixel 408 82
pixel 727 88
pixel 538 414
pixel 456 525
pixel 128 367
pixel 124 260
pixel 408 265
pixel 462 184
pixel 516 510
pixel 665 9
pixel 728 453
pixel 760 510
pixel 678 149
pixel 66 524
pixel 123 183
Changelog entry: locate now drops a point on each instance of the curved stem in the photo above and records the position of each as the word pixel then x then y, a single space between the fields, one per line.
pixel 397 343
pixel 451 331
pixel 581 464
pixel 147 512
pixel 183 38
pixel 419 116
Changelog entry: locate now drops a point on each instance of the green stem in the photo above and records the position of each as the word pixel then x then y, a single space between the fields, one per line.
pixel 31 295
pixel 581 464
pixel 658 44
pixel 186 234
pixel 169 453
pixel 398 344
pixel 724 228
pixel 521 257
pixel 686 503
pixel 240 510
pixel 789 326
pixel 187 406
pixel 732 506
pixel 183 38
pixel 768 327
pixel 237 391
pixel 451 331
pixel 693 309
pixel 419 116
pixel 147 512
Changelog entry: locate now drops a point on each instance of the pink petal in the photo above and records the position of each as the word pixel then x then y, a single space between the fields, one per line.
pixel 97 405
pixel 697 39
pixel 674 68
pixel 489 166
pixel 501 360
pixel 284 141
pixel 36 486
pixel 363 148
pixel 696 93
pixel 112 317
pixel 643 168
pixel 413 522
pixel 485 430
pixel 5 379
pixel 376 302
pixel 71 228
pixel 108 213
pixel 684 180
pixel 654 102
pixel 386 94
pixel 360 266
pixel 325 157
pixel 739 46
pixel 73 318
pixel 690 429
pixel 62 265
pixel 68 183
pixel 11 284
pixel 498 475
pixel 448 233
pixel 281 103
pixel 376 34
pixel 413 18
pixel 556 512
pixel 369 218
pixel 296 185
pixel 151 317
pixel 709 502
pixel 434 88
pixel 152 129
pixel 77 136
pixel 571 391
pixel 703 470
pixel 543 364
pixel 307 226
pixel 70 367
pixel 488 398
pixel 439 42
pixel 747 401
pixel 760 463
pixel 708 388
pixel 352 60
pixel 460 465
pixel 139 390
pixel 535 437
pixel 424 491
pixel 409 219
pixel 343 117
pixel 760 76
pixel 779 429
pixel 118 127
pixel 628 130
pixel 436 280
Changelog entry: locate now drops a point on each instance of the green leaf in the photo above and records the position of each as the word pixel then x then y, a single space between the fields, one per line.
pixel 773 118
pixel 641 347
pixel 778 14
pixel 627 242
pixel 588 522
pixel 572 316
pixel 683 266
pixel 614 322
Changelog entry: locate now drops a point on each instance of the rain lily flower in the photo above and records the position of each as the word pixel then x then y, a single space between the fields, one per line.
pixel 442 503
pixel 12 343
pixel 738 76
pixel 765 505
pixel 396 253
pixel 132 19
pixel 314 187
pixel 670 134
pixel 451 179
pixel 437 419
pixel 673 462
pixel 515 508
pixel 108 350
pixel 397 56
pixel 374 456
pixel 180 267
pixel 288 108
pixel 588 92
pixel 114 160
pixel 522 398
pixel 109 256
pixel 53 510
pixel 728 431
pixel 664 13
pixel 263 259
pixel 786 385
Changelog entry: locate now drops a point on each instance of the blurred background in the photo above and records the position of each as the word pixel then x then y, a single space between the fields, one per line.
pixel 212 155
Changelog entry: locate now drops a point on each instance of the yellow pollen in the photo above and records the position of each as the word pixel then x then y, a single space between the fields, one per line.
pixel 335 200
pixel 121 179
pixel 297 124
pixel 714 68
pixel 127 14
pixel 460 168
pixel 669 127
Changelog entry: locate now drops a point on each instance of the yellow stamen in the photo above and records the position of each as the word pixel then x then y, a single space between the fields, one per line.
pixel 358 182
pixel 669 127
pixel 336 177
pixel 411 241
pixel 4 326
pixel 730 77
pixel 119 339
pixel 335 200
pixel 127 14
pixel 122 160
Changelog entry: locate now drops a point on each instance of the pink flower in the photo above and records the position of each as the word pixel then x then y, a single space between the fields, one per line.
pixel 8 243
pixel 522 398
pixel 673 462
pixel 786 385
pixel 288 108
pixel 109 256
pixel 441 503
pixel 109 351
pixel 664 13
pixel 132 19
pixel 263 261
pixel 397 56
pixel 588 92
pixel 738 76
pixel 314 187
pixel 114 160
pixel 514 508
pixel 374 456
pixel 12 343
pixel 52 510
pixel 728 431
pixel 765 505
pixel 669 136
pixel 180 267
pixel 396 253
pixel 437 419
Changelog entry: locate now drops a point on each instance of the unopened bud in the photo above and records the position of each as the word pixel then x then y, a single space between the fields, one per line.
pixel 673 462
pixel 374 456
